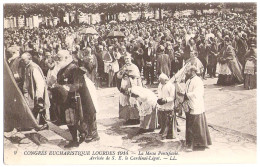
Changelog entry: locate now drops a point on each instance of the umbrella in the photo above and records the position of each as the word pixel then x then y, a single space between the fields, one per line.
pixel 112 22
pixel 115 34
pixel 89 30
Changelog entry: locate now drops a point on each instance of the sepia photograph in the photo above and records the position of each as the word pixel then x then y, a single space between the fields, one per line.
pixel 129 83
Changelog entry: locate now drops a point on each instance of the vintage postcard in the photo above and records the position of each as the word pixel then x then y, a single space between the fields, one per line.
pixel 130 83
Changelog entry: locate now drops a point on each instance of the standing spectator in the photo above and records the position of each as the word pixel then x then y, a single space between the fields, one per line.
pixel 178 61
pixel 90 63
pixel 242 49
pixel 113 66
pixel 149 62
pixel 170 51
pixel 203 55
pixel 213 56
pixel 251 66
pixel 15 63
pixel 100 61
pixel 163 62
pixel 123 53
pixel 138 56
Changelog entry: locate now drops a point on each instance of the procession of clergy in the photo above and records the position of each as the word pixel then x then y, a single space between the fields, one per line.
pixel 55 86
pixel 62 92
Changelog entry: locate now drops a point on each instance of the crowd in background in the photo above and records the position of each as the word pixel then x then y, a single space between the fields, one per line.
pixel 155 46
pixel 51 63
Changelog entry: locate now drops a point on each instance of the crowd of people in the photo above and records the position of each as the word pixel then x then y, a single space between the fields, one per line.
pixel 50 67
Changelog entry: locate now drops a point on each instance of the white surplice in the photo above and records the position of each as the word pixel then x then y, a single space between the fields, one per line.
pixel 195 93
pixel 167 92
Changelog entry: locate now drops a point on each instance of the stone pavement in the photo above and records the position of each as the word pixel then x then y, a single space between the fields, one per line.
pixel 227 147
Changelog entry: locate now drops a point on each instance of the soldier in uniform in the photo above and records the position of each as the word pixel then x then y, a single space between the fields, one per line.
pixel 70 96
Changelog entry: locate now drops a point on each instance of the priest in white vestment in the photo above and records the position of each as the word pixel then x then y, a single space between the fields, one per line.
pixel 197 133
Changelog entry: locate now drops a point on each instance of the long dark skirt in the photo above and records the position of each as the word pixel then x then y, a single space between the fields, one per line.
pixel 225 80
pixel 128 113
pixel 250 81
pixel 197 132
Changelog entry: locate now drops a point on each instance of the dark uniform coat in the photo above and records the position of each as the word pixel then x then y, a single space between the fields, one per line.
pixel 73 97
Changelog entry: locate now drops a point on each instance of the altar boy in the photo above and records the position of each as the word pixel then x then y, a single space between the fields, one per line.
pixel 166 114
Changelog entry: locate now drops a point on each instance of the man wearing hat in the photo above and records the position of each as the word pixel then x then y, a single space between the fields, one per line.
pixel 149 59
pixel 163 62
